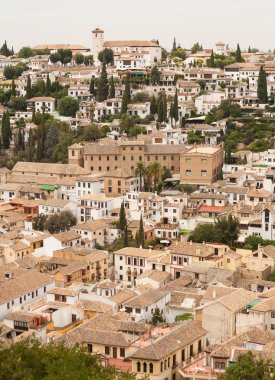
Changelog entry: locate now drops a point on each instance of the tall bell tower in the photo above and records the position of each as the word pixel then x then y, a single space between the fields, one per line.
pixel 97 41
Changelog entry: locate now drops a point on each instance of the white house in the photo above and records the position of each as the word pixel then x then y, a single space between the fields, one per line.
pixel 17 292
pixel 40 104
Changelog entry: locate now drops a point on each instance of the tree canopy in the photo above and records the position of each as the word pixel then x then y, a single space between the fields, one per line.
pixel 60 222
pixel 68 106
pixel 247 367
pixel 29 359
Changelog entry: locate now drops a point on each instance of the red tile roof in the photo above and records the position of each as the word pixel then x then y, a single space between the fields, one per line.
pixel 216 209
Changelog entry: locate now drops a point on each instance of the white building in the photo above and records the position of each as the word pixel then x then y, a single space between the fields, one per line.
pixel 40 104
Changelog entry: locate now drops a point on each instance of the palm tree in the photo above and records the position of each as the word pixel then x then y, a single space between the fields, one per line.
pixel 154 172
pixel 140 171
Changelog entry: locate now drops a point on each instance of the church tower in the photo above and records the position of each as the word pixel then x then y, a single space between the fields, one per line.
pixel 98 41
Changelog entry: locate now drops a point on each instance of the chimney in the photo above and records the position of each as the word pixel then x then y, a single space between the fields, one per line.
pixel 140 247
pixel 190 242
pixel 214 293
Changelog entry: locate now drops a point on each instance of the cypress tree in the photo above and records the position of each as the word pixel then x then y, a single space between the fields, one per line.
pixel 126 96
pixel 126 236
pixel 249 49
pixel 30 146
pixel 122 217
pixel 103 85
pixel 21 144
pixel 174 44
pixel 29 87
pixel 171 112
pixel 13 91
pixel 153 106
pixel 48 86
pixel 141 232
pixel 6 130
pixel 112 92
pixel 238 54
pixel 262 86
pixel 92 87
pixel 137 239
pixel 160 108
pixel 212 60
pixel 176 107
pixel 164 117
pixel 41 141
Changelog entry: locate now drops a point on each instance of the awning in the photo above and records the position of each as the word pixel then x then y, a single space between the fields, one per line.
pixel 48 187
pixel 253 303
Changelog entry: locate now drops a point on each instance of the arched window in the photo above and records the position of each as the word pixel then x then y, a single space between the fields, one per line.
pixel 161 366
pixel 138 367
pixel 145 367
pixel 151 367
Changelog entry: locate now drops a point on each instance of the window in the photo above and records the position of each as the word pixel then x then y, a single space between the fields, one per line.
pixel 182 355
pixel 107 350
pixel 8 305
pixel 188 173
pixel 272 326
pixel 219 365
pixel 273 314
pixel 151 368
pixel 203 160
pixel 145 367
pixel 122 352
pixel 188 160
pixel 90 347
pixel 203 173
pixel 138 367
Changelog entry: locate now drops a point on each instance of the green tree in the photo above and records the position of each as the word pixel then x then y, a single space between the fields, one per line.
pixel 247 367
pixel 13 90
pixel 68 106
pixel 160 108
pixel 154 172
pixel 203 233
pixel 126 99
pixel 6 130
pixel 155 75
pixel 41 137
pixel 140 171
pixel 88 60
pixel 141 234
pixel 262 86
pixel 196 47
pixel 29 359
pixel 31 146
pixel 60 222
pixel 227 230
pixel 125 237
pixel 103 85
pixel 39 222
pixel 29 87
pixel 92 87
pixel 137 239
pixel 238 55
pixel 55 57
pixel 211 62
pixel 112 92
pixel 79 59
pixel 174 47
pixel 106 56
pixel 253 241
pixel 91 133
pixel 156 317
pixel 183 317
pixel 4 50
pixel 48 86
pixel 179 53
pixel 26 52
pixel 153 106
pixel 176 107
pixel 52 140
pixel 122 217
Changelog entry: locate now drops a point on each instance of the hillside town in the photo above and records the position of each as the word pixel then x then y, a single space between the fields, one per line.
pixel 137 203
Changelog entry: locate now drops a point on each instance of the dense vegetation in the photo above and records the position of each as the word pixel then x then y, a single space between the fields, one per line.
pixel 28 360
